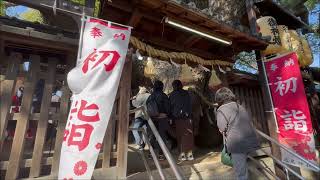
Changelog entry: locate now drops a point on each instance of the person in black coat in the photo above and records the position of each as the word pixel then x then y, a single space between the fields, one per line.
pixel 161 121
pixel 180 113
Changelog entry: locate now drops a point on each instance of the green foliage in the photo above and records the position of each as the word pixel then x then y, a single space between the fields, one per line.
pixel 311 4
pixel 32 15
pixel 96 8
pixel 81 2
pixel 2 8
pixel 293 4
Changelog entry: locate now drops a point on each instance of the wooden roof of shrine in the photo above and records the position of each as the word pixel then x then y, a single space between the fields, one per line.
pixel 147 19
pixel 282 15
pixel 49 41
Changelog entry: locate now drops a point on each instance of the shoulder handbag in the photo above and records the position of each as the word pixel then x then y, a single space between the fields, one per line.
pixel 225 155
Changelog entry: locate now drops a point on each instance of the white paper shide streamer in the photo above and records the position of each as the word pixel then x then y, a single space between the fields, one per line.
pixel 94 83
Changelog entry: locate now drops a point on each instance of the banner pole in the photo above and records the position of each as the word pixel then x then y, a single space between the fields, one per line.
pixel 83 19
pixel 269 94
pixel 269 116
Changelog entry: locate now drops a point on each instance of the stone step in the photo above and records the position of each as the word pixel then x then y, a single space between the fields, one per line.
pixel 196 171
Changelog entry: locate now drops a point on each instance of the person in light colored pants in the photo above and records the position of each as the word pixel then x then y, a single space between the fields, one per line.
pixel 140 118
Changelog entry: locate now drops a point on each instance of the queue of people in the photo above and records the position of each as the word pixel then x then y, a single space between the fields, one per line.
pixel 173 118
pixel 174 114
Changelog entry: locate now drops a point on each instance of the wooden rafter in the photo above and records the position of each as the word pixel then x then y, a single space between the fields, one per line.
pixel 135 18
pixel 173 45
pixel 146 16
pixel 191 41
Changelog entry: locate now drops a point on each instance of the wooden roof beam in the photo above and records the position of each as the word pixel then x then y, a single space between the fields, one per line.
pixel 120 5
pixel 191 41
pixel 130 9
pixel 173 46
pixel 135 18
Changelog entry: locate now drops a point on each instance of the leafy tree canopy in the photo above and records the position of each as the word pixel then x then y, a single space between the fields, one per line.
pixel 32 15
pixel 293 4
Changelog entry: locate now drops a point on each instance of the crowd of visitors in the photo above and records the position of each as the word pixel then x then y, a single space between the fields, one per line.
pixel 172 116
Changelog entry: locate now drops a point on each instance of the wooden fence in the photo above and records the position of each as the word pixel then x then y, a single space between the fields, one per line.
pixel 251 98
pixel 38 156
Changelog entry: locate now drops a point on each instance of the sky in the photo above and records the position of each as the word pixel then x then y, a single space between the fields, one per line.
pixel 15 10
pixel 313 18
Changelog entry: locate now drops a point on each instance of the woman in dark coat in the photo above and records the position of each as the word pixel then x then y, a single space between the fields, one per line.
pixel 236 124
pixel 180 113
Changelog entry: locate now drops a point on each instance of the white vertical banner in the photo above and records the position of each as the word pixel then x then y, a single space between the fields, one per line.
pixel 94 83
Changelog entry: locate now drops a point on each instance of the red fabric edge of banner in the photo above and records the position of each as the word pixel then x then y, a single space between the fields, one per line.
pixel 106 24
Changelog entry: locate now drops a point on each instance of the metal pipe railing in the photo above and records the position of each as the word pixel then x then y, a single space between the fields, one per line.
pixel 164 148
pixel 283 165
pixel 162 145
pixel 144 159
pixel 265 168
pixel 316 168
pixel 152 152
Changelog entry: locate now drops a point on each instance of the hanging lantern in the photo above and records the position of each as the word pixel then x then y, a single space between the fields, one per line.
pixel 307 54
pixel 268 27
pixel 297 46
pixel 285 38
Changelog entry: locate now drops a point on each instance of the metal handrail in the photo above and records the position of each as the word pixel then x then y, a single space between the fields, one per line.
pixel 265 168
pixel 153 154
pixel 162 145
pixel 145 162
pixel 316 168
pixel 283 165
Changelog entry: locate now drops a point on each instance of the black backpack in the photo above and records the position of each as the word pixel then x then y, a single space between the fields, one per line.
pixel 152 108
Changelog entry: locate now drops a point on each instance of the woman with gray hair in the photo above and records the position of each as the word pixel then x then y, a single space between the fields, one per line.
pixel 234 123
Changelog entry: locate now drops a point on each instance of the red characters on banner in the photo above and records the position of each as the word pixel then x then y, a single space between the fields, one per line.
pixel 295 120
pixel 79 135
pixel 291 107
pixel 95 32
pixel 80 168
pixel 123 36
pixel 103 56
pixel 84 107
pixel 284 86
